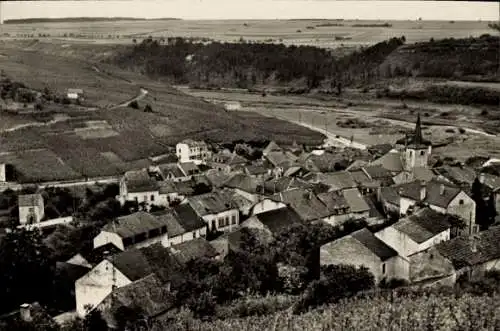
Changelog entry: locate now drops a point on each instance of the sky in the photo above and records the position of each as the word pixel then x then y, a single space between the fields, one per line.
pixel 255 9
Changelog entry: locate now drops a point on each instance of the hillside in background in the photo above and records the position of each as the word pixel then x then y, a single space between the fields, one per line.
pixel 248 65
pixel 57 141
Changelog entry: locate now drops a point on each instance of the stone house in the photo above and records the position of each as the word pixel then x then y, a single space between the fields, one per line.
pixel 464 256
pixel 362 248
pixel 273 221
pixel 417 232
pixel 218 212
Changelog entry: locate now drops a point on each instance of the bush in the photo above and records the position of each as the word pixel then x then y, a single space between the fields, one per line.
pixel 484 112
pixel 148 109
pixel 134 105
pixel 461 130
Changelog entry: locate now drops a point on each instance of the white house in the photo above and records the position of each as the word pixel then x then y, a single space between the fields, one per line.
pixel 439 196
pixel 74 93
pixel 120 270
pixel 415 233
pixel 139 186
pixel 217 212
pixel 193 151
pixel 31 208
pixel 362 248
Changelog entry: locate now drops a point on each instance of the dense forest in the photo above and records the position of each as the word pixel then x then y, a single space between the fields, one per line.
pixel 246 65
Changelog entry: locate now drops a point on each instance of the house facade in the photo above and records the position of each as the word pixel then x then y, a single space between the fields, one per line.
pixel 362 248
pixel 218 213
pixel 31 208
pixel 193 151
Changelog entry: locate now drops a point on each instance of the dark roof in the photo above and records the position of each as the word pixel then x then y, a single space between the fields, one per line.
pixel 415 140
pixel 134 224
pixel 457 175
pixel 304 202
pixel 284 184
pixel 377 246
pixel 167 186
pixel 325 162
pixel 188 218
pixel 193 249
pixel 459 250
pixel 337 180
pixel 228 158
pixel 433 194
pixel 148 293
pixel 70 272
pixel 377 172
pixel 218 178
pixel 209 203
pixel 139 263
pixel 333 200
pixel 140 181
pixel 237 200
pixel 278 219
pixel 390 195
pixel 170 220
pixel 424 224
pixel 280 158
pixel 30 200
pixel 98 254
pixel 188 168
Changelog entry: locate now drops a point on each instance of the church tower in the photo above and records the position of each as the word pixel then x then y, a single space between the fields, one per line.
pixel 417 150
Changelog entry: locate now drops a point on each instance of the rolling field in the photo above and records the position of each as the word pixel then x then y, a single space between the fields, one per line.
pixel 320 33
pixel 70 142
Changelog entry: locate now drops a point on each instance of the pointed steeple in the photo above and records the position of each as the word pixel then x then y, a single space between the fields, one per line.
pixel 417 138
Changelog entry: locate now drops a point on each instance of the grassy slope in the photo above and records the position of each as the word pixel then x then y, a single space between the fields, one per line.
pixel 176 116
pixel 444 313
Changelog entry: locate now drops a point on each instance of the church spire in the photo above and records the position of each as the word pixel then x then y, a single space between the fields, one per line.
pixel 417 139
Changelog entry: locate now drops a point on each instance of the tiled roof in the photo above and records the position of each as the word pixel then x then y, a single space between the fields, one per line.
pixel 355 200
pixel 209 203
pixel 278 219
pixel 139 263
pixel 98 254
pixel 491 181
pixel 30 200
pixel 280 158
pixel 333 200
pixel 421 173
pixel 457 175
pixel 305 203
pixel 169 219
pixel 459 250
pixel 377 172
pixel 243 182
pixel 229 159
pixel 149 294
pixel 236 199
pixel 390 195
pixel 433 194
pixel 134 224
pixel 187 217
pixel 218 178
pixel 193 143
pixel 390 161
pixel 284 184
pixel 167 186
pixel 193 249
pixel 170 168
pixel 356 165
pixel 256 169
pixel 140 181
pixel 362 179
pixel 377 246
pixel 325 162
pixel 337 180
pixel 271 147
pixel 188 168
pixel 423 225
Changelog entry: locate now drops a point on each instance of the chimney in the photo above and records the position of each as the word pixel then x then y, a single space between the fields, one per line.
pixel 473 244
pixel 423 192
pixel 481 178
pixel 441 189
pixel 25 312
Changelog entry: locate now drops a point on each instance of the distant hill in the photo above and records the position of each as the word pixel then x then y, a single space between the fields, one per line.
pixel 82 19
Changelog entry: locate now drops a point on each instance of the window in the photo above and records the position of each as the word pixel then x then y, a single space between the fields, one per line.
pixel 383 268
pixel 227 220
pixel 31 210
pixel 431 256
pixel 233 219
pixel 422 152
pixel 194 234
pixel 145 198
pixel 221 222
pixel 461 202
pixel 136 199
pixel 213 225
pixel 152 197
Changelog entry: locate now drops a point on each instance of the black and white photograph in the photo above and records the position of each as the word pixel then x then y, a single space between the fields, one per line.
pixel 257 165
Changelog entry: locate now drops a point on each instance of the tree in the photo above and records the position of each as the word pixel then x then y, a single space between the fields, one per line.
pixel 148 109
pixel 94 322
pixel 134 105
pixel 481 213
pixel 491 211
pixel 27 271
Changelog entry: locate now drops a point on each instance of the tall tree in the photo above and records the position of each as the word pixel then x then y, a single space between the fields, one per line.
pixel 477 196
